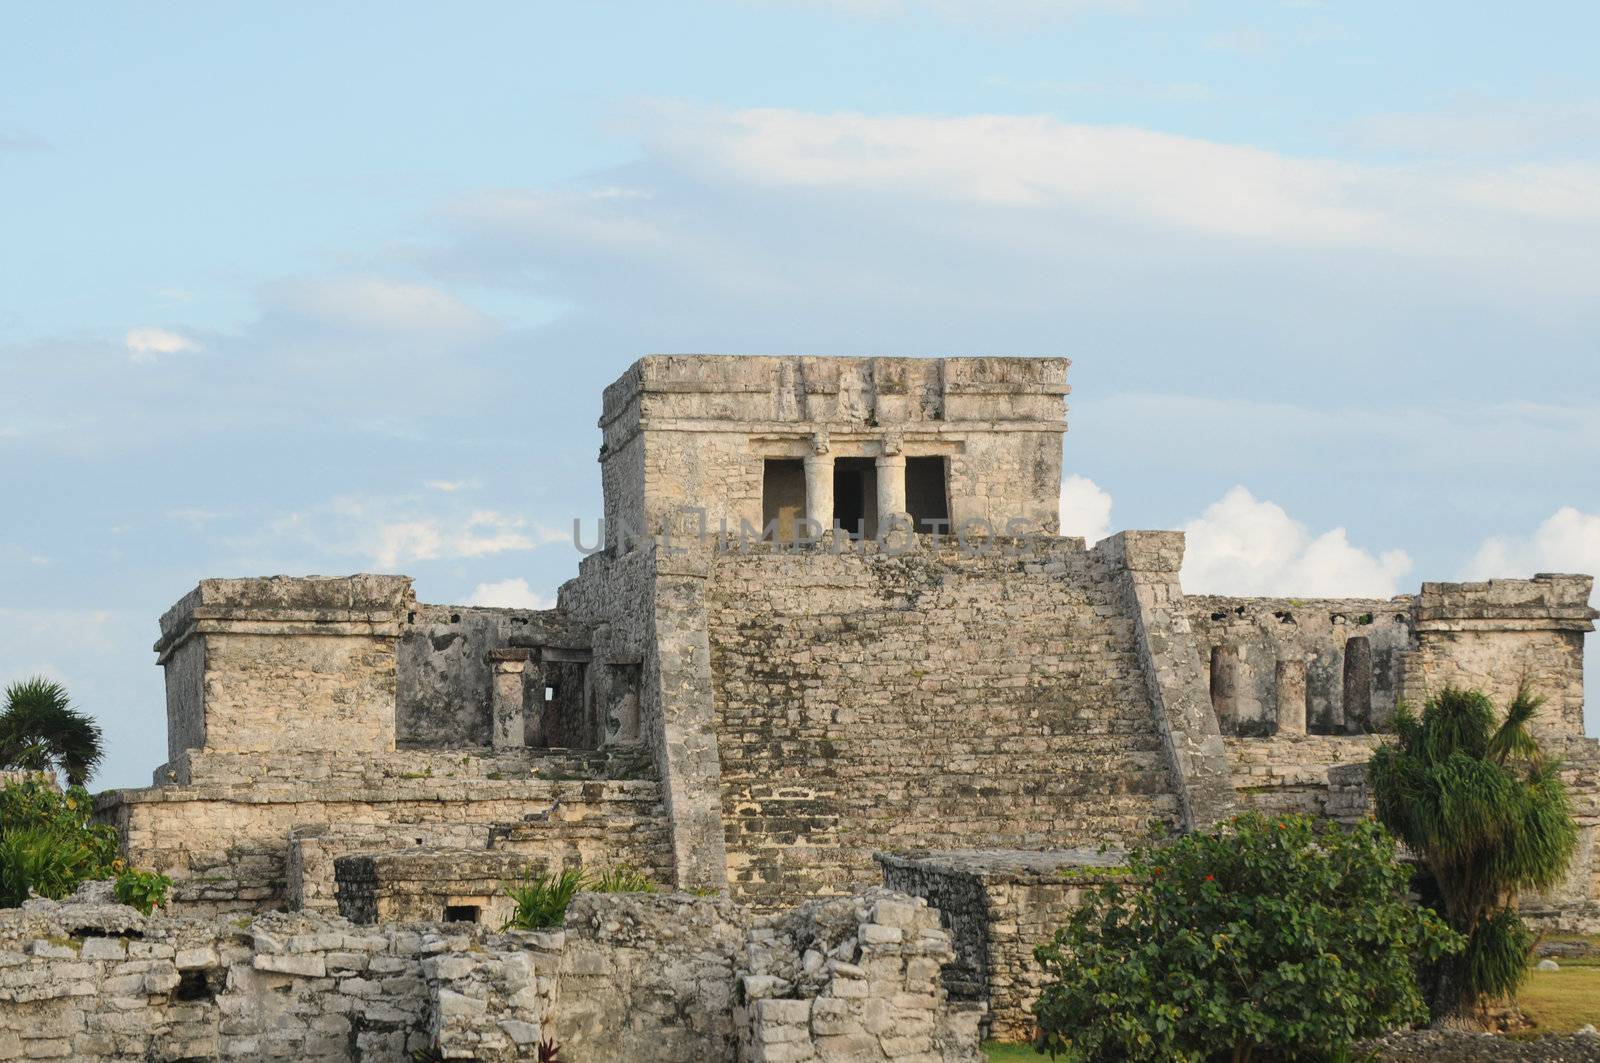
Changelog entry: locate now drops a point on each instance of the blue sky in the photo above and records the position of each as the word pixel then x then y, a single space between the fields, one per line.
pixel 334 288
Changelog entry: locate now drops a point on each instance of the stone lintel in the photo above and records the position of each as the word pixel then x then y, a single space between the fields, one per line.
pixel 1547 602
pixel 290 605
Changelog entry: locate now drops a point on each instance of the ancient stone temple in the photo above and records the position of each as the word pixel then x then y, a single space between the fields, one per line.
pixel 830 638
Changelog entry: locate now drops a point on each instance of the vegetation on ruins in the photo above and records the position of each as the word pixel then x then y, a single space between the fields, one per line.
pixel 1487 816
pixel 41 731
pixel 542 900
pixel 48 843
pixel 1269 938
pixel 144 890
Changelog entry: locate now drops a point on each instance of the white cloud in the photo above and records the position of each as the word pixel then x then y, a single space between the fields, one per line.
pixel 449 486
pixel 148 343
pixel 1244 546
pixel 1449 212
pixel 1085 509
pixel 509 594
pixel 1568 541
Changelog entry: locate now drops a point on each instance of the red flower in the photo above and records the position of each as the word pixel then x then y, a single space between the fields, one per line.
pixel 1211 878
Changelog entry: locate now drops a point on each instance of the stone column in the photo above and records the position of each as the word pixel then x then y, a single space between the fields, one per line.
pixel 1225 669
pixel 1358 684
pixel 1289 685
pixel 509 700
pixel 891 489
pixel 819 491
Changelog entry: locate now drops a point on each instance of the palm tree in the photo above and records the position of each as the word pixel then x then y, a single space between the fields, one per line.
pixel 41 731
pixel 1487 816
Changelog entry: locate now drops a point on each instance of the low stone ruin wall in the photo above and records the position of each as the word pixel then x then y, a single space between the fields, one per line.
pixel 999 905
pixel 666 978
pixel 97 981
pixel 241 848
pixel 1289 773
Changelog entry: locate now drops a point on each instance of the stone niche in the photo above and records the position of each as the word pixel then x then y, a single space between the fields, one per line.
pixel 283 663
pixel 999 904
pixel 430 885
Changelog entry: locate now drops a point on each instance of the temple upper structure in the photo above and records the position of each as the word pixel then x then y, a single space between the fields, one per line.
pixel 846 441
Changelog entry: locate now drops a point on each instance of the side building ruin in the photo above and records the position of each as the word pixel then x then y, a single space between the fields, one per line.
pixel 937 672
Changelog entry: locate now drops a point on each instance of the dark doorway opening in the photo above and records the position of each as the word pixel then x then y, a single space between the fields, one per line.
pixel 855 496
pixel 461 913
pixel 928 494
pixel 783 496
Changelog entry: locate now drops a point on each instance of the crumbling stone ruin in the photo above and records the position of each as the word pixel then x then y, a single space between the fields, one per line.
pixel 830 639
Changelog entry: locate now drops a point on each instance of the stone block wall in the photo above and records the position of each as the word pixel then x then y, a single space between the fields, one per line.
pixel 281 663
pixel 1289 773
pixel 443 676
pixel 227 846
pixel 1497 635
pixel 865 701
pixel 854 978
pixel 999 906
pixel 665 978
pixel 1246 639
pixel 97 981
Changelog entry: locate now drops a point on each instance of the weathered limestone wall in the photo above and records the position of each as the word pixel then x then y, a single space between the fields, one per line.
pixel 998 906
pixel 1289 773
pixel 647 609
pixel 284 663
pixel 670 979
pixel 1250 640
pixel 867 701
pixel 227 845
pixel 694 431
pixel 1144 566
pixel 100 982
pixel 650 976
pixel 1497 635
pixel 853 978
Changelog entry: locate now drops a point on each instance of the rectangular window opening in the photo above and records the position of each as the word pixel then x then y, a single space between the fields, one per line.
pixel 928 494
pixel 783 496
pixel 461 913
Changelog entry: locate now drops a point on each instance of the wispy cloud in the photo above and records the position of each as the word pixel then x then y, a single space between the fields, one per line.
pixel 392 532
pixel 147 343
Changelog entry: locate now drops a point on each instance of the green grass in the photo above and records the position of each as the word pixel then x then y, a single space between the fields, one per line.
pixel 995 1052
pixel 1561 1001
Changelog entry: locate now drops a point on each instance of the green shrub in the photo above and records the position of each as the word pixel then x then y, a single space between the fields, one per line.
pixel 1270 938
pixel 143 890
pixel 542 900
pixel 48 843
pixel 620 879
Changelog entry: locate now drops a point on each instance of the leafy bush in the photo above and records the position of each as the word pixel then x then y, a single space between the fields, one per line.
pixel 47 842
pixel 542 900
pixel 143 890
pixel 1277 937
pixel 1487 816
